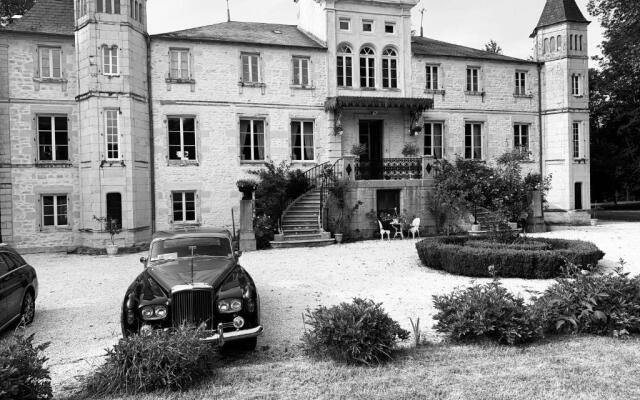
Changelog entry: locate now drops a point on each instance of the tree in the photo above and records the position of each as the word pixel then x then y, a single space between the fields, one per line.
pixel 9 8
pixel 615 100
pixel 492 47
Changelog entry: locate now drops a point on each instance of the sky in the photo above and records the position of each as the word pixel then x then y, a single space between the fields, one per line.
pixel 466 22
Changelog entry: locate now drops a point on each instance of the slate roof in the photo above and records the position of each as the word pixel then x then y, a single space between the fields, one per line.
pixel 247 32
pixel 46 16
pixel 557 11
pixel 423 46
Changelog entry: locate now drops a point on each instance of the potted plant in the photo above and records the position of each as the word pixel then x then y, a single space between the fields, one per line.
pixel 359 149
pixel 415 130
pixel 410 150
pixel 247 187
pixel 110 225
pixel 338 202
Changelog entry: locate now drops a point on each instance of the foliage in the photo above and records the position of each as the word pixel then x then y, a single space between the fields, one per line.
pixel 173 360
pixel 359 332
pixel 10 8
pixel 485 311
pixel 22 371
pixel 524 258
pixel 246 185
pixel 359 149
pixel 492 47
pixel 297 184
pixel 110 225
pixel 615 100
pixel 264 229
pixel 338 203
pixel 588 303
pixel 410 150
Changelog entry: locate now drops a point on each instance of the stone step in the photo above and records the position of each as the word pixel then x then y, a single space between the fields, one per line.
pixel 301 243
pixel 301 213
pixel 296 219
pixel 301 231
pixel 310 236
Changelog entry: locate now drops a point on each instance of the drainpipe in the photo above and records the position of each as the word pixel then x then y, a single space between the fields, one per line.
pixel 540 115
pixel 152 168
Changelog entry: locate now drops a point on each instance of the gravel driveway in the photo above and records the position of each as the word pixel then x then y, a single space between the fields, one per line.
pixel 78 305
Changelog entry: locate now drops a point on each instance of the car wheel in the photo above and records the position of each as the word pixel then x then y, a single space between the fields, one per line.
pixel 28 311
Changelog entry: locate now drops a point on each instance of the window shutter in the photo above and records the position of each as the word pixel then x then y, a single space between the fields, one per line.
pixel 36 64
pixel 191 65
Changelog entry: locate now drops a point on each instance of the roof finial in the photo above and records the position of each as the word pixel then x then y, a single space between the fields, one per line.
pixel 421 22
pixel 228 12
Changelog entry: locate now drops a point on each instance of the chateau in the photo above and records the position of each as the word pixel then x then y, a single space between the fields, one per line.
pixel 99 118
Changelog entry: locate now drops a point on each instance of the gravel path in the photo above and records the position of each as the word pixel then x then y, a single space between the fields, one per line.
pixel 80 296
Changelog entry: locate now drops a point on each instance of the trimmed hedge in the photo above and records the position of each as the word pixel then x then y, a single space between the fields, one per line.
pixel 538 258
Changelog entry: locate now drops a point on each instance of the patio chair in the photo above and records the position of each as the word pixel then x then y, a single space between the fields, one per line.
pixel 384 231
pixel 415 227
pixel 397 228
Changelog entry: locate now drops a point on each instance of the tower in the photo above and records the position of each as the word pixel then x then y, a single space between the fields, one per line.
pixel 114 140
pixel 561 48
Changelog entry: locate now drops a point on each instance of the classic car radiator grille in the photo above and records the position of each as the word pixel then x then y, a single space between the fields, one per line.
pixel 193 307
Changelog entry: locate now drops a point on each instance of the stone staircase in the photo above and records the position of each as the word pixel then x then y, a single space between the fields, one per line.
pixel 301 226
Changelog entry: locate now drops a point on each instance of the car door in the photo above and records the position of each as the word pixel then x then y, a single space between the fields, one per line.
pixel 14 283
pixel 4 276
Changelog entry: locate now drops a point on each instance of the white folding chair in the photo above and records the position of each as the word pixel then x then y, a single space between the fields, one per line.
pixel 415 227
pixel 384 231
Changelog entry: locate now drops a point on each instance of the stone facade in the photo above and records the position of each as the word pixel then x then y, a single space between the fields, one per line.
pixel 152 176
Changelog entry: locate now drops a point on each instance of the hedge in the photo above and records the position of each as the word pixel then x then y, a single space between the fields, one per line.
pixel 538 258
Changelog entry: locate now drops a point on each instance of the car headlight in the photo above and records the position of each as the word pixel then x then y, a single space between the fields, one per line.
pixel 228 306
pixel 160 311
pixel 147 312
pixel 154 312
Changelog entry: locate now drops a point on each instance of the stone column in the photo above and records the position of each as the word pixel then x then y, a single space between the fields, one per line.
pixel 428 170
pixel 349 167
pixel 247 236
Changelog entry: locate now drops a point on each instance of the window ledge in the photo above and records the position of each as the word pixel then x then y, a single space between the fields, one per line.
pixel 391 89
pixel 185 224
pixel 112 75
pixel 183 163
pixel 252 84
pixel 368 89
pixel 474 93
pixel 50 229
pixel 112 163
pixel 50 80
pixel 304 161
pixel 434 91
pixel 302 87
pixel 523 96
pixel 578 96
pixel 180 80
pixel 53 164
pixel 253 162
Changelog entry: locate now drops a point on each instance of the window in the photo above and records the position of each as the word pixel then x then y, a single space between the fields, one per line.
pixel 109 6
pixel 575 42
pixel 577 140
pixel 390 27
pixel 345 66
pixel 389 69
pixel 110 60
pixel 112 137
pixel 184 206
pixel 472 79
pixel 302 141
pixel 576 85
pixel 251 139
pixel 552 44
pixel 433 139
pixel 54 210
pixel 521 83
pixel 81 8
pixel 570 42
pixel 559 40
pixel 432 77
pixel 53 138
pixel 473 141
pixel 301 71
pixel 50 62
pixel 545 49
pixel 367 68
pixel 521 138
pixel 251 68
pixel 367 25
pixel 179 64
pixel 114 208
pixel 182 138
pixel 344 24
pixel 580 42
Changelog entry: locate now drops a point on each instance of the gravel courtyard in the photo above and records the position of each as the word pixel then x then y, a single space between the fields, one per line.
pixel 80 296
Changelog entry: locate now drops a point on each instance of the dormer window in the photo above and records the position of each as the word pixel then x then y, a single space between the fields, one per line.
pixel 367 25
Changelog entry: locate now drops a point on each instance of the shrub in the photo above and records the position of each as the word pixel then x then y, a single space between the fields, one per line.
pixel 171 360
pixel 297 183
pixel 599 304
pixel 265 229
pixel 485 311
pixel 359 332
pixel 22 371
pixel 461 255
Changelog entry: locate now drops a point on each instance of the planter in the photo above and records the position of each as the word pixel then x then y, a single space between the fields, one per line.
pixel 338 237
pixel 247 194
pixel 475 227
pixel 112 249
pixel 593 221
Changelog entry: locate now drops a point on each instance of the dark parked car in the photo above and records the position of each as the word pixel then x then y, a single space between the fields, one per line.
pixel 194 279
pixel 18 288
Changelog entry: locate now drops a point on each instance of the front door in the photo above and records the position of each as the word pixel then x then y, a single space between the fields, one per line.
pixel 371 161
pixel 578 195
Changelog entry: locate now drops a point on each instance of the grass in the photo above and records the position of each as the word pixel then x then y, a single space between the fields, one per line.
pixel 570 367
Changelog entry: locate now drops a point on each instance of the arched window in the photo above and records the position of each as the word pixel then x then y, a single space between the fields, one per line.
pixel 545 50
pixel 570 42
pixel 559 43
pixel 135 11
pixel 553 44
pixel 345 66
pixel 367 68
pixel 131 9
pixel 389 68
pixel 140 11
pixel 108 6
pixel 580 42
pixel 575 44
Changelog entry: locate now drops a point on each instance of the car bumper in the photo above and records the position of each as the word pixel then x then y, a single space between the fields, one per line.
pixel 221 337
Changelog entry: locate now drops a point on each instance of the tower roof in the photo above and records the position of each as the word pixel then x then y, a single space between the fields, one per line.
pixel 558 11
pixel 46 16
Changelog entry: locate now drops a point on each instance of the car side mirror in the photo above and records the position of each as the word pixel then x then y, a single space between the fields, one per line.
pixel 237 253
pixel 143 260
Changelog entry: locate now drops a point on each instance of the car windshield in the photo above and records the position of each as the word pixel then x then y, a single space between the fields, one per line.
pixel 171 249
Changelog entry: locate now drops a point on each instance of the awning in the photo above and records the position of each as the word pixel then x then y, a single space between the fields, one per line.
pixel 414 104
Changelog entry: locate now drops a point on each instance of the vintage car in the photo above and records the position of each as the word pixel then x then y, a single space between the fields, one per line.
pixel 18 288
pixel 194 279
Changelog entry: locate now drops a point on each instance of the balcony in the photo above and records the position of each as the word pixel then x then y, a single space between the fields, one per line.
pixel 388 169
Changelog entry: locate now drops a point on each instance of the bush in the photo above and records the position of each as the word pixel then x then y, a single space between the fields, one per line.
pixel 22 371
pixel 525 258
pixel 264 229
pixel 355 333
pixel 485 312
pixel 297 184
pixel 172 360
pixel 598 304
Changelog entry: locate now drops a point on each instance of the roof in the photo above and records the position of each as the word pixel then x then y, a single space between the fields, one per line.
pixel 46 16
pixel 558 11
pixel 247 32
pixel 412 103
pixel 423 46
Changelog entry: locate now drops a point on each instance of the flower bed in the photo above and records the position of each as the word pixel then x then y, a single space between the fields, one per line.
pixel 538 258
